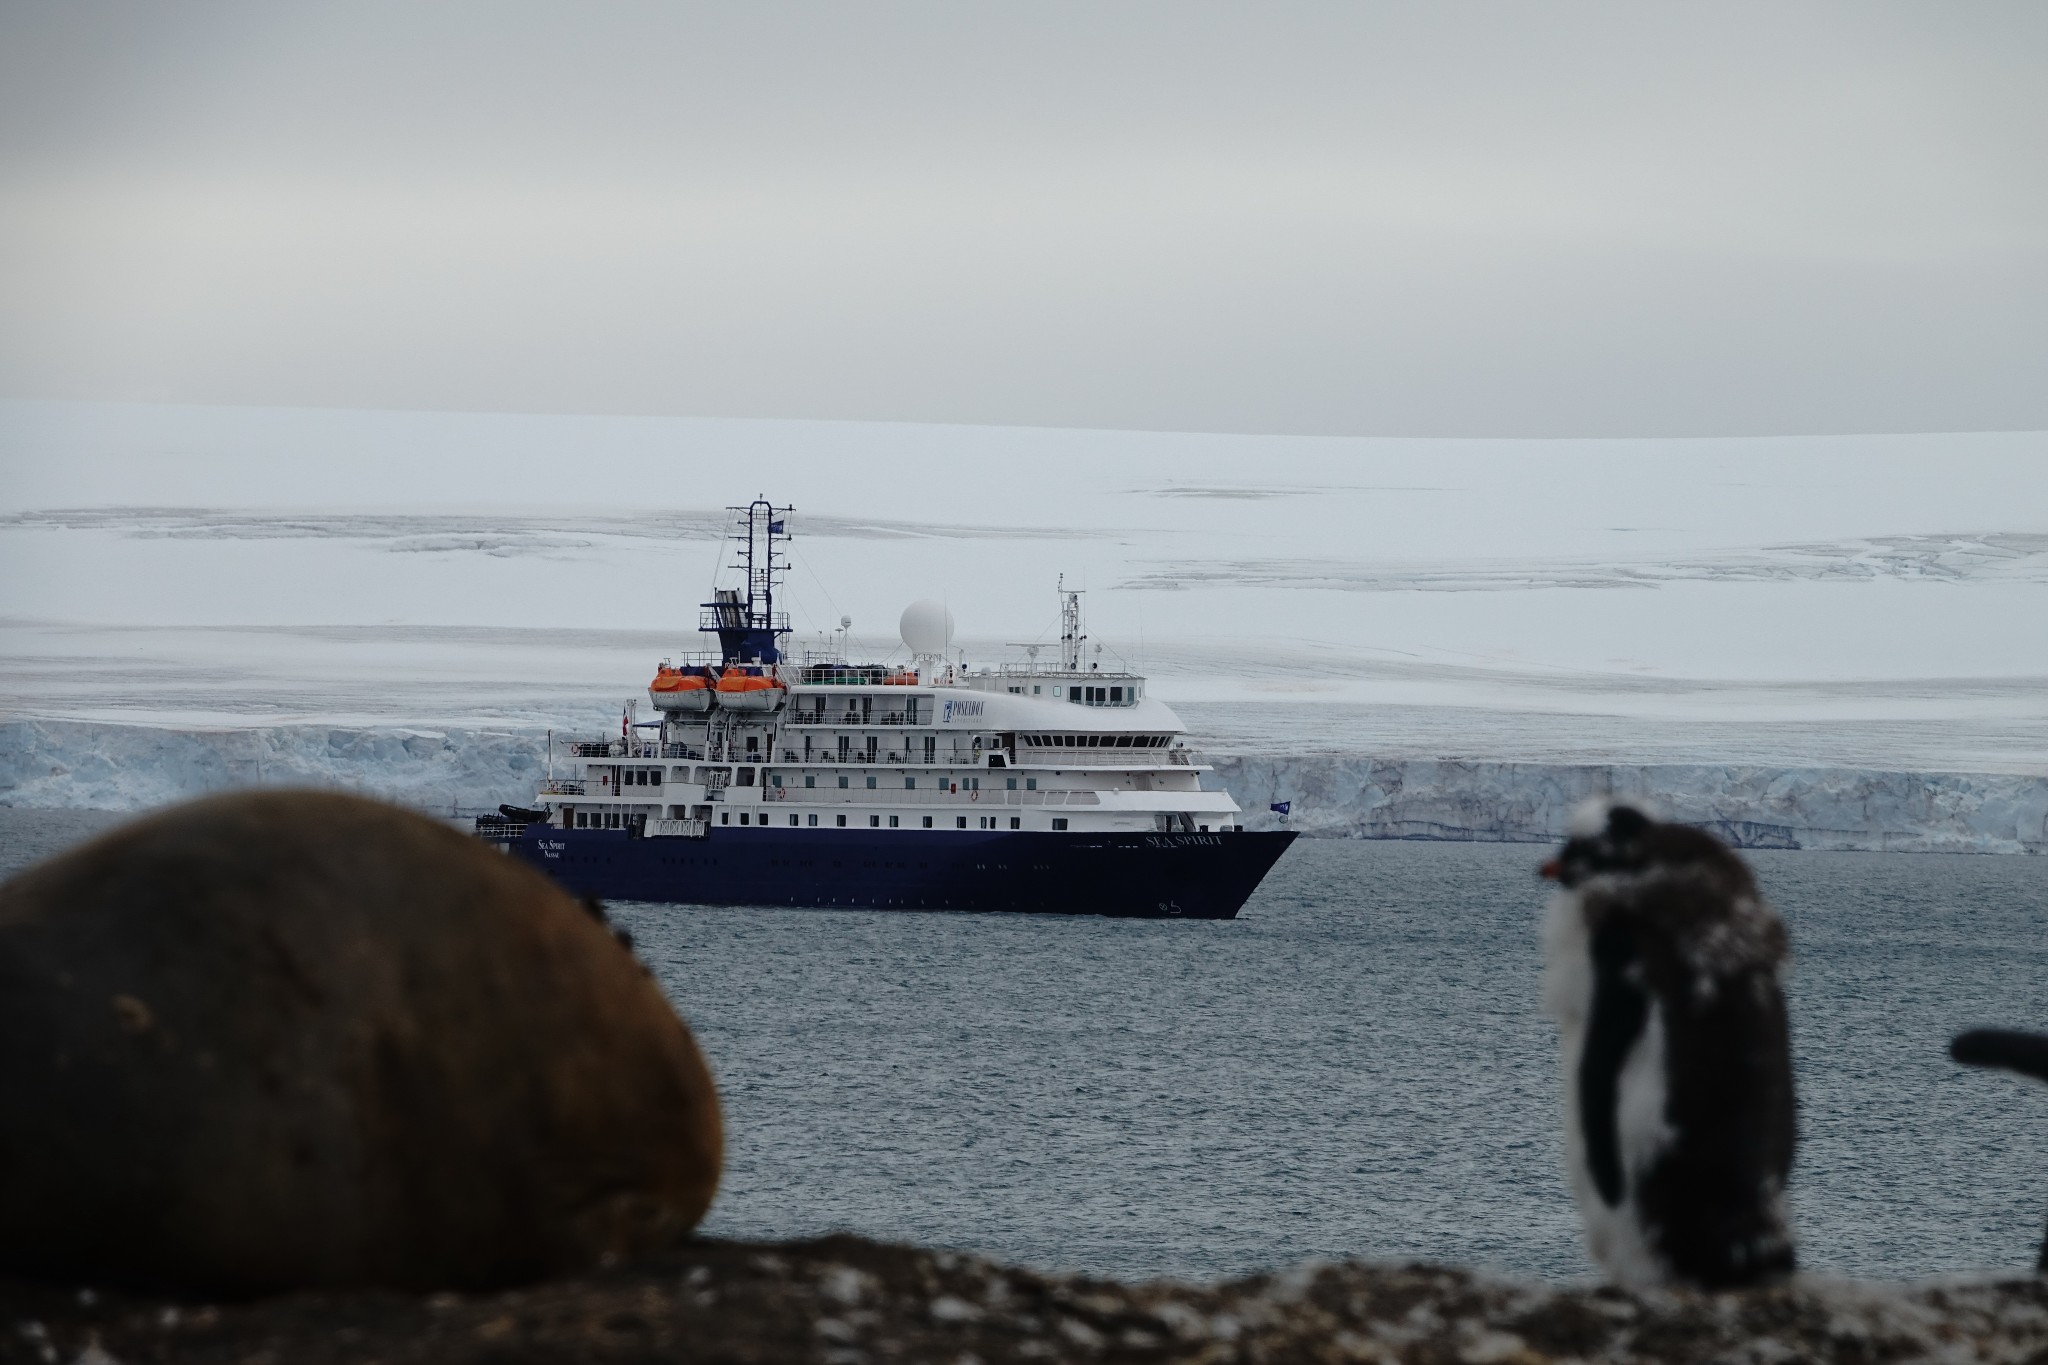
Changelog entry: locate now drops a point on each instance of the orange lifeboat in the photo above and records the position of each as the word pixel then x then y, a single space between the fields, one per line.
pixel 900 680
pixel 681 689
pixel 742 690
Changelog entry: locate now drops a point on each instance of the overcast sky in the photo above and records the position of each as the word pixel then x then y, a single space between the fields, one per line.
pixel 1434 219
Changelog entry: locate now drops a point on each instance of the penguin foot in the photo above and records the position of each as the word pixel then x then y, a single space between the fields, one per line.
pixel 2007 1049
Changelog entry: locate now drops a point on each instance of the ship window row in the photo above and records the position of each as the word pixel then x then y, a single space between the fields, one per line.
pixel 609 819
pixel 1098 741
pixel 958 784
pixel 875 821
pixel 1101 696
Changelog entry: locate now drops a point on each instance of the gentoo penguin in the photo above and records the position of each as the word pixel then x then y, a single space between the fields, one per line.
pixel 2026 1053
pixel 1662 971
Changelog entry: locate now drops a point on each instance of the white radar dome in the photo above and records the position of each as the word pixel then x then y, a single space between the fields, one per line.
pixel 927 627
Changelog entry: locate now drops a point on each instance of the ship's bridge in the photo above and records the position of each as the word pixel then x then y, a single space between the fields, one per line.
pixel 1077 687
pixel 1056 702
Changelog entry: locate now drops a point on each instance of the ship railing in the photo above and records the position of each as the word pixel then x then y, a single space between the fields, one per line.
pixel 561 786
pixel 1051 669
pixel 856 719
pixel 965 799
pixel 498 830
pixel 675 829
pixel 636 748
pixel 952 758
pixel 735 618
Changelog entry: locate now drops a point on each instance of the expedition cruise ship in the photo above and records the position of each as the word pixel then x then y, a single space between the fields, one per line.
pixel 764 780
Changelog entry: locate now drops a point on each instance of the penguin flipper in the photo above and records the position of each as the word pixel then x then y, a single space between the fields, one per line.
pixel 2008 1049
pixel 1615 1021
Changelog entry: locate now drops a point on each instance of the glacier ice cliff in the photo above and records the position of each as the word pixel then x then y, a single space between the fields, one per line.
pixel 81 765
pixel 133 767
pixel 1750 806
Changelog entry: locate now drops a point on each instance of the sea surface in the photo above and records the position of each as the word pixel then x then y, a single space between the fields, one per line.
pixel 1353 1068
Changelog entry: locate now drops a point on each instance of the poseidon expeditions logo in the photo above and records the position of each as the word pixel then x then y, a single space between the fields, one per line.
pixel 963 707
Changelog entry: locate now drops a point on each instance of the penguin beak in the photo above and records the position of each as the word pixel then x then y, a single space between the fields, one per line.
pixel 1551 870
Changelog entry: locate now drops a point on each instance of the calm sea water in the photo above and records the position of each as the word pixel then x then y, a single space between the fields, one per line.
pixel 1354 1068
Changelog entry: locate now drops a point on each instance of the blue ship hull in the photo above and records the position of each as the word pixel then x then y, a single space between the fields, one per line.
pixel 1151 876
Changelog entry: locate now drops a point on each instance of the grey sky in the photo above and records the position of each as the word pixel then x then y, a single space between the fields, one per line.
pixel 1491 219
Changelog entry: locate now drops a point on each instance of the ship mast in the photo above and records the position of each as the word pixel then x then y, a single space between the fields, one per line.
pixel 1071 638
pixel 744 618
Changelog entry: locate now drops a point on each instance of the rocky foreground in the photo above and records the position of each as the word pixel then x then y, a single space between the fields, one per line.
pixel 844 1301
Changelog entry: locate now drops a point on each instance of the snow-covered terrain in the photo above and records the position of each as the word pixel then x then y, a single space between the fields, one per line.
pixel 243 579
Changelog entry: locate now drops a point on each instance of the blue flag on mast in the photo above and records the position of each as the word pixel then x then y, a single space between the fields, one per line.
pixel 1281 807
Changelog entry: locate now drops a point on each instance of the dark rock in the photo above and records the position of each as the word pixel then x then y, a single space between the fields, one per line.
pixel 280 1040
pixel 844 1301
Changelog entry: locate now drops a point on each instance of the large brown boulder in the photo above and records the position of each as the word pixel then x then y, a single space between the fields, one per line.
pixel 298 1039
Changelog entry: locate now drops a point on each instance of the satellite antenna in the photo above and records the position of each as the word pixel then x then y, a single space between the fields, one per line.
pixel 926 628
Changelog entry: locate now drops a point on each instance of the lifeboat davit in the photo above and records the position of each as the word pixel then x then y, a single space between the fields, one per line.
pixel 739 690
pixel 682 689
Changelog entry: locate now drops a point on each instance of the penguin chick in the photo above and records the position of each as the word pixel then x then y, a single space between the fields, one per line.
pixel 2009 1050
pixel 1662 967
